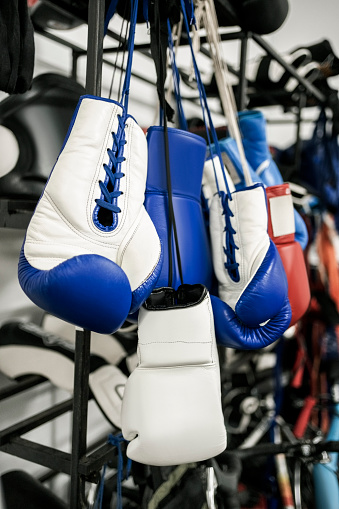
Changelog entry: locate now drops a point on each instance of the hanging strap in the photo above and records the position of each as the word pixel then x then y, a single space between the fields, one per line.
pixel 222 76
pixel 130 49
pixel 113 7
pixel 130 46
pixel 205 109
pixel 161 57
pixel 159 44
pixel 176 77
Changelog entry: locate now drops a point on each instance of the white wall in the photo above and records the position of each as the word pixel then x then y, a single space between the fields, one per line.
pixel 308 21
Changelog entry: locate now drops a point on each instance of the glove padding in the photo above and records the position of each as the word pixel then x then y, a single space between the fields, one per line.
pixel 171 410
pixel 248 268
pixel 91 253
pixel 232 333
pixel 187 153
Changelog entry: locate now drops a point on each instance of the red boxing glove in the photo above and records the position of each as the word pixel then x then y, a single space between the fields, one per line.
pixel 281 229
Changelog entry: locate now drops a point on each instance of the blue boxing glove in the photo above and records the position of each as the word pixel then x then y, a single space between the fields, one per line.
pixel 252 125
pixel 187 153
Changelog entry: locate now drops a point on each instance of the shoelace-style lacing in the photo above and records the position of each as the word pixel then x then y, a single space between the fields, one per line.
pixel 231 265
pixel 110 188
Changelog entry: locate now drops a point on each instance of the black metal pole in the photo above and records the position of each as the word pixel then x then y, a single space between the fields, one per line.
pixel 96 15
pixel 80 409
pixel 241 92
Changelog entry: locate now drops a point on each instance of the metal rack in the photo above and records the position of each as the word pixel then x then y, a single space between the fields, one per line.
pixel 80 465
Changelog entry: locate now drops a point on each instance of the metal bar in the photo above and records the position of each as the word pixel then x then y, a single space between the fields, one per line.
pixel 40 454
pixel 94 461
pixel 242 85
pixel 86 463
pixel 14 387
pixel 96 15
pixel 82 52
pixel 68 8
pixel 311 89
pixel 36 420
pixel 75 58
pixel 227 36
pixel 59 40
pixel 15 213
pixel 80 409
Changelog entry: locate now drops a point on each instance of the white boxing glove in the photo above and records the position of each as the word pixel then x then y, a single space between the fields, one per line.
pixel 171 410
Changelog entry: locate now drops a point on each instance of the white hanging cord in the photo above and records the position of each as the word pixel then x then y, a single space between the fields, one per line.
pixel 176 35
pixel 222 76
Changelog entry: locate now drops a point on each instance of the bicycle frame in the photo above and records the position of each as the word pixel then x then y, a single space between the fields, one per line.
pixel 326 486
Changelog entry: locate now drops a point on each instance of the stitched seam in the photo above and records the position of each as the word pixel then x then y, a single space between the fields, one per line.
pixel 184 366
pixel 70 225
pixel 173 342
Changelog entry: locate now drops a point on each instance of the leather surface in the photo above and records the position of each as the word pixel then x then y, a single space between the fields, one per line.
pixel 187 156
pixel 171 411
pixel 89 291
pixel 73 266
pixel 290 251
pixel 261 289
pixel 233 333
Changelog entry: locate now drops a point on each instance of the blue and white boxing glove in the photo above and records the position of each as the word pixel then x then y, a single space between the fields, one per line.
pixel 91 254
pixel 252 284
pixel 253 129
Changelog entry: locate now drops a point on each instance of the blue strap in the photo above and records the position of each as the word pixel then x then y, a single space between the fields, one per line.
pixel 130 49
pixel 205 109
pixel 145 11
pixel 189 5
pixel 110 13
pixel 100 493
pixel 176 81
pixel 117 440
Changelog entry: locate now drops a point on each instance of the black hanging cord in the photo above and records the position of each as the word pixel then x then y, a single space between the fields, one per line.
pixel 159 37
pixel 160 44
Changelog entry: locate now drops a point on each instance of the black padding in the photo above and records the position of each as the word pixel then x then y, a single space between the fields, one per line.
pixel 39 120
pixel 22 491
pixel 16 47
pixel 263 16
pixel 259 16
pixel 48 16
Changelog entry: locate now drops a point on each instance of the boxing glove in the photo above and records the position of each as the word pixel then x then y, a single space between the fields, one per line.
pixel 281 230
pixel 253 129
pixel 268 173
pixel 171 409
pixel 187 153
pixel 233 333
pixel 91 254
pixel 250 274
